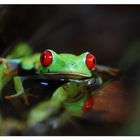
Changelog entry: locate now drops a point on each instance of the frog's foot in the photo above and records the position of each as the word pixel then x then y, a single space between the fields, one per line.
pixel 8 97
pixel 109 70
pixel 23 95
pixel 19 89
pixel 17 95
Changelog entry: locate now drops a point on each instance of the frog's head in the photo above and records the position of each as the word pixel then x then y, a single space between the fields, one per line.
pixel 67 65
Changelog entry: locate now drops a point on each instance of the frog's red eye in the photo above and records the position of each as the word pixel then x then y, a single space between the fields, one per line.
pixel 90 61
pixel 46 58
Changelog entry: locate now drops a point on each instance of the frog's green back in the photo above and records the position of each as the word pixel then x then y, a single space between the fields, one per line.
pixel 21 50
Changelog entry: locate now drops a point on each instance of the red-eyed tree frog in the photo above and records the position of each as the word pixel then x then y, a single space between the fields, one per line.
pixel 79 72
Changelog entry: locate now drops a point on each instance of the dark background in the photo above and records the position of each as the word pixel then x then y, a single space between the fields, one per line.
pixel 105 30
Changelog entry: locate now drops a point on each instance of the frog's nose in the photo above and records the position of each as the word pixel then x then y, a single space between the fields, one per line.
pixel 72 66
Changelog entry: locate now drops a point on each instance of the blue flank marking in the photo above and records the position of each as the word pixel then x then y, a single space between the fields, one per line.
pixel 44 84
pixel 14 63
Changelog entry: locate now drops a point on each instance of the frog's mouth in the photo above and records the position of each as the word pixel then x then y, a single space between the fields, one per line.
pixel 65 75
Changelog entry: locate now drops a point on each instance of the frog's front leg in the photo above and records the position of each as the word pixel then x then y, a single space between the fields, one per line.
pixel 109 70
pixel 20 91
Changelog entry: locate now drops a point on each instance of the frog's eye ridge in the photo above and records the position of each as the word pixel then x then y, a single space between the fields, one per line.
pixel 90 61
pixel 46 58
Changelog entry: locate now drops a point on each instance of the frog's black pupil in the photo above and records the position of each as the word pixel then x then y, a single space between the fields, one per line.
pixel 43 57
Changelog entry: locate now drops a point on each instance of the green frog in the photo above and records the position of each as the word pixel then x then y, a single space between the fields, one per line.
pixel 78 72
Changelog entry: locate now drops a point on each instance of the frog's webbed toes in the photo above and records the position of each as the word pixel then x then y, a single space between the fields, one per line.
pixel 24 97
pixel 8 97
